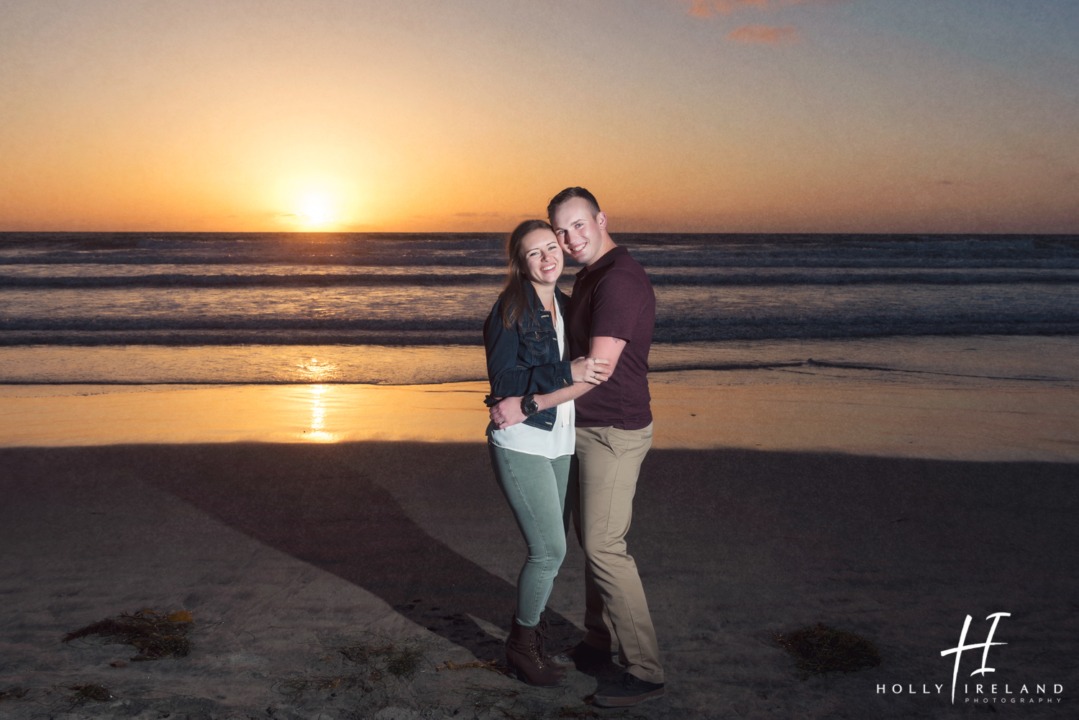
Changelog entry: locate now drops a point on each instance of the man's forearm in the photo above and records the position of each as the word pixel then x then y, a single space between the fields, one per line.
pixel 608 348
pixel 562 395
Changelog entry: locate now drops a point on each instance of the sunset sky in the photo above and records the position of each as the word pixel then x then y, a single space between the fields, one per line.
pixel 424 115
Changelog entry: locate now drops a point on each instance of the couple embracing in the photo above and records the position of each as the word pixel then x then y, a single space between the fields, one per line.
pixel 567 437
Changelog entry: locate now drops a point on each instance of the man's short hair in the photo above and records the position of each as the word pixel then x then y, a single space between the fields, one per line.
pixel 568 194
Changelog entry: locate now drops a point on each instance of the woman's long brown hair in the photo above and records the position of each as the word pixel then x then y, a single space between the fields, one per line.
pixel 513 301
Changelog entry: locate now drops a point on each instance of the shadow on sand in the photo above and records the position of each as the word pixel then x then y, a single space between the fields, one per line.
pixel 889 529
pixel 321 505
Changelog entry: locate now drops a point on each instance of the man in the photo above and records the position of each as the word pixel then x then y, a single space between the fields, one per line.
pixel 611 316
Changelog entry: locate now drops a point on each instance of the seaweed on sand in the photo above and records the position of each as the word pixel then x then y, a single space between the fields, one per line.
pixel 492 665
pixel 86 693
pixel 822 649
pixel 399 661
pixel 16 692
pixel 154 635
pixel 374 661
pixel 295 688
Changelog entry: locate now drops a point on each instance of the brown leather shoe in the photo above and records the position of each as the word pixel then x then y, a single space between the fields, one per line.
pixel 524 653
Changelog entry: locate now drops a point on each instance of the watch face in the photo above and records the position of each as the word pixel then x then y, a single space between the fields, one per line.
pixel 529 405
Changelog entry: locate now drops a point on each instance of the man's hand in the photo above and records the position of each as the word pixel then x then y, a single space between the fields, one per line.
pixel 594 370
pixel 590 370
pixel 507 412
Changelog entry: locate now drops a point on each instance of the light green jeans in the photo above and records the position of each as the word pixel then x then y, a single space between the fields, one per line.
pixel 535 488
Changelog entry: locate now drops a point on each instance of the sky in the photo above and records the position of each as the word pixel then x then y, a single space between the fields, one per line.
pixel 917 116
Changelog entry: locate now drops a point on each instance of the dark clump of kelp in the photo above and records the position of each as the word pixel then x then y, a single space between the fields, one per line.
pixel 369 665
pixel 15 693
pixel 399 660
pixel 86 693
pixel 155 635
pixel 821 649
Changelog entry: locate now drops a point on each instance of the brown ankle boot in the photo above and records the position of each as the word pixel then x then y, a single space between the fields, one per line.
pixel 542 631
pixel 524 653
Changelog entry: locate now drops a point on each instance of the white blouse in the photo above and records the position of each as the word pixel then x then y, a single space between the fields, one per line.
pixel 559 440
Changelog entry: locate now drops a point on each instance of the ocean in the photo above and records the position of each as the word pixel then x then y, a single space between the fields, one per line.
pixel 280 308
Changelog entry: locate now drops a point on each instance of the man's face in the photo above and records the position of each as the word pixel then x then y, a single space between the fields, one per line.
pixel 579 233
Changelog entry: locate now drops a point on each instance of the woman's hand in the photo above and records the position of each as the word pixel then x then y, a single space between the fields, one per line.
pixel 507 412
pixel 590 370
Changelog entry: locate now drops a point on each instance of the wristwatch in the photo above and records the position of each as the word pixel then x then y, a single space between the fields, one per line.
pixel 529 406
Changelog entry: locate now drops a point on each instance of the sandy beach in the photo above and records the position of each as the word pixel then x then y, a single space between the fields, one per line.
pixel 253 259
pixel 889 512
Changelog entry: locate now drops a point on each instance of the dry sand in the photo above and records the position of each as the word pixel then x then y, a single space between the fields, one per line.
pixel 889 511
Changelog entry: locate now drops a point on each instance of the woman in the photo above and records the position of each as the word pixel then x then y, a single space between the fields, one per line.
pixel 526 343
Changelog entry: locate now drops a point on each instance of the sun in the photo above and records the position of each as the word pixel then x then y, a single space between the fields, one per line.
pixel 313 202
pixel 316 209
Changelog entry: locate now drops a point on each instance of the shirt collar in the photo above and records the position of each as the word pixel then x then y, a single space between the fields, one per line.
pixel 607 259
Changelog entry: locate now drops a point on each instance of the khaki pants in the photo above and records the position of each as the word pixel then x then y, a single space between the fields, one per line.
pixel 603 480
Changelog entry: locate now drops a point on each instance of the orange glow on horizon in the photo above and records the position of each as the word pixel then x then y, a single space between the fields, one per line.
pixel 363 117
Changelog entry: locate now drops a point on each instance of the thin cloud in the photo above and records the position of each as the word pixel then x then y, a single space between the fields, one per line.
pixel 709 8
pixel 764 35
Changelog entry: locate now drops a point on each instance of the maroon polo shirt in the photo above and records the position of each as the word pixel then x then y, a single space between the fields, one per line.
pixel 614 298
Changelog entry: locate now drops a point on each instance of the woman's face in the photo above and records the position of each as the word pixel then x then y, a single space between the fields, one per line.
pixel 541 257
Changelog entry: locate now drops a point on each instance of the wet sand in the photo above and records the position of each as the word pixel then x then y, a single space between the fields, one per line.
pixel 889 511
pixel 823 410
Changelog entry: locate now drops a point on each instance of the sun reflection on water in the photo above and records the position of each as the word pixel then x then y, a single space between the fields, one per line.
pixel 318 432
pixel 312 370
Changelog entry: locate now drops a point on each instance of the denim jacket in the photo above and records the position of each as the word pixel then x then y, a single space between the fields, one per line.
pixel 524 359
